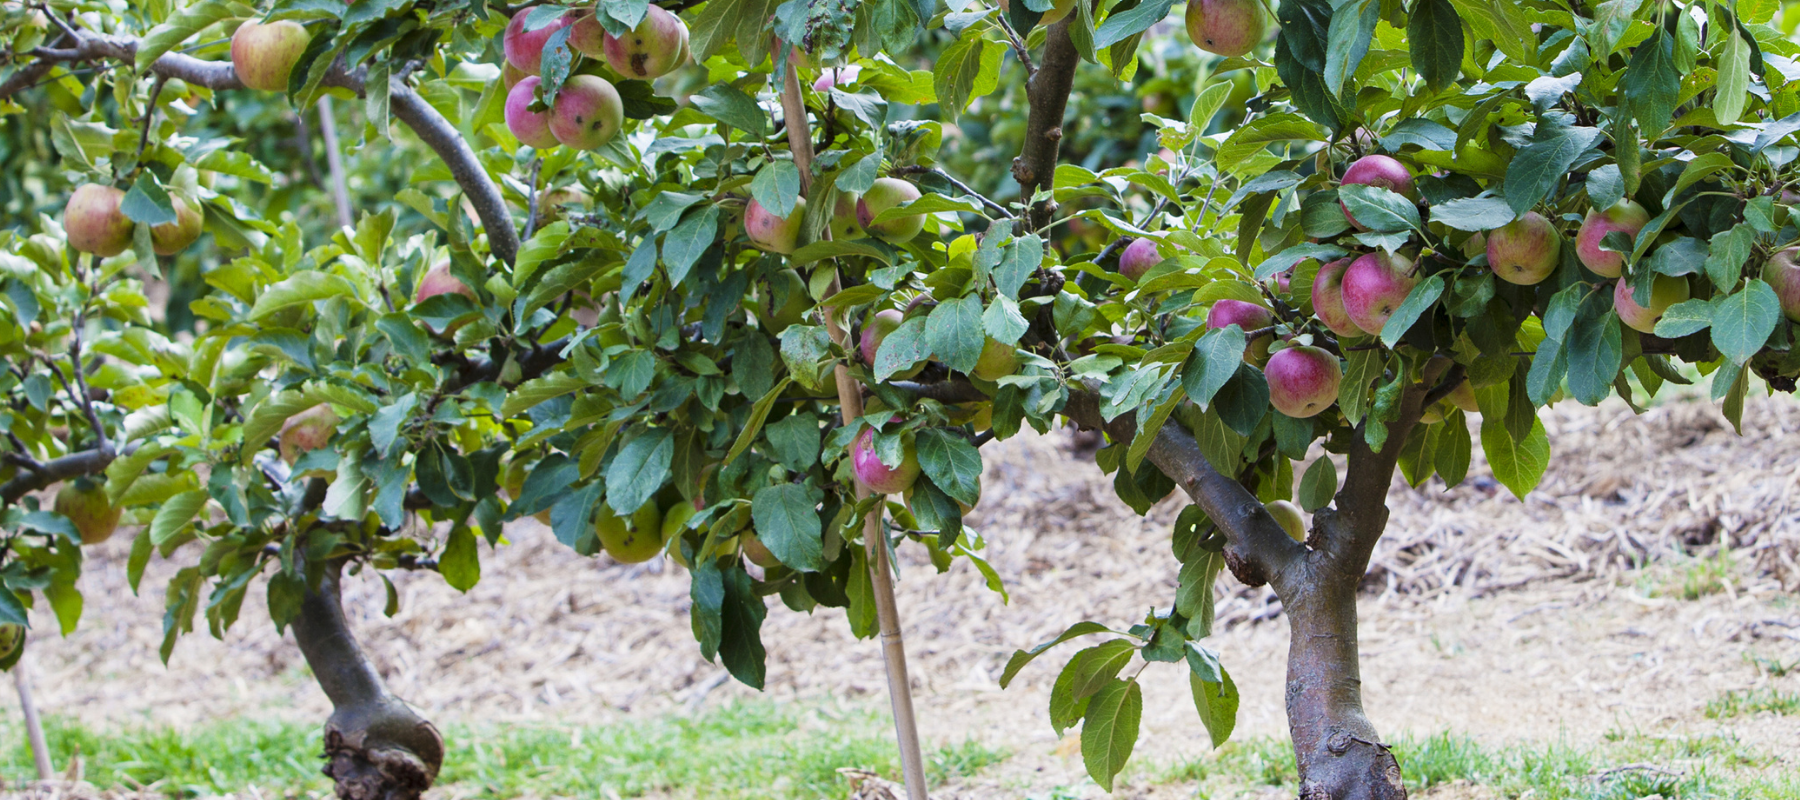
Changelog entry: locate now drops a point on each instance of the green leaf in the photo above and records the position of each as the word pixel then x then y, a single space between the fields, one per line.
pixel 1727 253
pixel 543 246
pixel 1111 730
pixel 460 564
pixel 148 203
pixel 1131 22
pixel 1595 352
pixel 1472 213
pixel 759 413
pixel 1065 708
pixel 303 287
pixel 962 69
pixel 175 514
pixel 1214 361
pixel 952 463
pixel 1742 322
pixel 1454 449
pixel 183 24
pixel 728 104
pixel 1517 465
pixel 1434 37
pixel 740 634
pixel 796 441
pixel 1352 29
pixel 1379 209
pixel 1423 296
pixel 1022 657
pixel 1734 80
pixel 1250 138
pixel 537 390
pixel 1319 484
pixel 1684 318
pixel 1542 164
pixel 1651 84
pixel 1504 24
pixel 787 522
pixel 1097 665
pixel 639 469
pixel 1697 170
pixel 1216 701
pixel 777 187
pixel 954 333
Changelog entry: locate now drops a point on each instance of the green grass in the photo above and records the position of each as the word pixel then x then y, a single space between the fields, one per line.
pixel 749 751
pixel 1753 701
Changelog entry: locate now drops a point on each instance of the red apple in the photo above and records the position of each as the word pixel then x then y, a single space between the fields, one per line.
pixel 885 194
pixel 884 322
pixel 525 49
pixel 84 503
pixel 651 50
pixel 1226 27
pixel 772 233
pixel 1374 286
pixel 529 127
pixel 94 222
pixel 587 36
pixel 835 77
pixel 1625 216
pixel 1665 291
pixel 1303 381
pixel 264 55
pixel 1782 273
pixel 1248 317
pixel 438 280
pixel 1328 298
pixel 1138 258
pixel 307 431
pixel 879 477
pixel 170 238
pixel 588 112
pixel 1524 251
pixel 1377 170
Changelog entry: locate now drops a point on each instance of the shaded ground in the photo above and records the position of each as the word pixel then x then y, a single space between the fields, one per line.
pixel 1513 623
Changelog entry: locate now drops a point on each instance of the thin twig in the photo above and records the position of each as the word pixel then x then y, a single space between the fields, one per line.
pixel 531 199
pixel 963 187
pixel 1018 46
pixel 149 117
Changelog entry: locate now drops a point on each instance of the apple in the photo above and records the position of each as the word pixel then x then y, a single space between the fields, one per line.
pixel 651 50
pixel 835 77
pixel 1138 258
pixel 997 361
pixel 525 49
pixel 1057 12
pixel 1782 273
pixel 516 472
pixel 264 55
pixel 588 112
pixel 529 127
pixel 1374 286
pixel 1377 170
pixel 757 552
pixel 12 637
pixel 1665 291
pixel 1226 27
pixel 1524 251
pixel 587 36
pixel 634 540
pixel 1625 216
pixel 84 503
pixel 884 322
pixel 1247 316
pixel 1303 381
pixel 170 238
pixel 307 431
pixel 885 194
pixel 1328 298
pixel 436 281
pixel 794 306
pixel 1287 515
pixel 1463 397
pixel 772 233
pixel 879 477
pixel 844 225
pixel 94 222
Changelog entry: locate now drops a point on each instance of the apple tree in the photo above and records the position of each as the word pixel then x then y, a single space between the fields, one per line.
pixel 725 283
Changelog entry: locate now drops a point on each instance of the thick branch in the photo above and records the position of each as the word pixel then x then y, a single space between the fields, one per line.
pixel 1257 549
pixel 1048 92
pixel 74 465
pixel 943 391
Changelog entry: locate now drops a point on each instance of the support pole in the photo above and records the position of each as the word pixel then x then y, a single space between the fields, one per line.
pixel 881 572
pixel 334 160
pixel 34 727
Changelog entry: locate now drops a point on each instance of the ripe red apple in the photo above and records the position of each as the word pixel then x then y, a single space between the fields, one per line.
pixel 997 361
pixel 879 477
pixel 1303 381
pixel 1665 291
pixel 1287 515
pixel 1138 258
pixel 1374 286
pixel 884 322
pixel 1377 170
pixel 264 55
pixel 772 233
pixel 588 112
pixel 1226 27
pixel 835 77
pixel 1248 317
pixel 525 49
pixel 307 431
pixel 94 222
pixel 651 50
pixel 529 127
pixel 885 194
pixel 1625 216
pixel 1524 251
pixel 1328 298
pixel 630 541
pixel 170 238
pixel 587 36
pixel 436 281
pixel 84 503
pixel 1782 273
pixel 844 225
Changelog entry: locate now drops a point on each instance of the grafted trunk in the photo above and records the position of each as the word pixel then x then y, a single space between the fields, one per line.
pixel 1339 753
pixel 376 746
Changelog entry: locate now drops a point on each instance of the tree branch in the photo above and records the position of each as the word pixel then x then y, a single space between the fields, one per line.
pixel 73 465
pixel 943 391
pixel 963 187
pixel 1048 92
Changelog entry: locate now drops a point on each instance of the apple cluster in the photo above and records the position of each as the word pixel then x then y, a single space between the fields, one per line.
pixel 853 217
pixel 588 111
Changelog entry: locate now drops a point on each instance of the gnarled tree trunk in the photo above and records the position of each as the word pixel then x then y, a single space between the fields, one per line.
pixel 376 746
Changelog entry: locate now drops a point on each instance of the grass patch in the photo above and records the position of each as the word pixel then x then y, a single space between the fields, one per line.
pixel 1752 701
pixel 744 751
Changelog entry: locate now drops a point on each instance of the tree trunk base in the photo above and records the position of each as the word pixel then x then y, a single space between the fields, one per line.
pixel 378 770
pixel 1351 768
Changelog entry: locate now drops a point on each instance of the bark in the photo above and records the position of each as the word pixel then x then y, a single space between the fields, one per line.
pixel 1047 90
pixel 376 746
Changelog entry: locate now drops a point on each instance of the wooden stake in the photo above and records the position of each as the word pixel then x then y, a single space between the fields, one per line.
pixel 881 572
pixel 34 727
pixel 334 161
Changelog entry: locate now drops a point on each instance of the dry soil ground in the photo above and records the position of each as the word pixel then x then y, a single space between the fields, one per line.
pixel 1505 620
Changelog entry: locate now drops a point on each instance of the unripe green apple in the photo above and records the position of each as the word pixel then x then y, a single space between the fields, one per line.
pixel 1626 217
pixel 1226 27
pixel 844 225
pixel 170 238
pixel 879 477
pixel 997 361
pixel 12 637
pixel 1665 291
pixel 264 55
pixel 630 541
pixel 651 50
pixel 1287 515
pixel 94 222
pixel 1374 286
pixel 588 112
pixel 885 194
pixel 1524 251
pixel 1463 397
pixel 756 551
pixel 772 233
pixel 1328 298
pixel 307 431
pixel 84 503
pixel 525 49
pixel 1303 381
pixel 1782 273
pixel 529 127
pixel 790 288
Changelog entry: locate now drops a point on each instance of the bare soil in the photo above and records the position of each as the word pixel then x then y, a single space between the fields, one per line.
pixel 1556 618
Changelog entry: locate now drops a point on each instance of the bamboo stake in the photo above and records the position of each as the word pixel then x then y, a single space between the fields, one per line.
pixel 34 727
pixel 881 573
